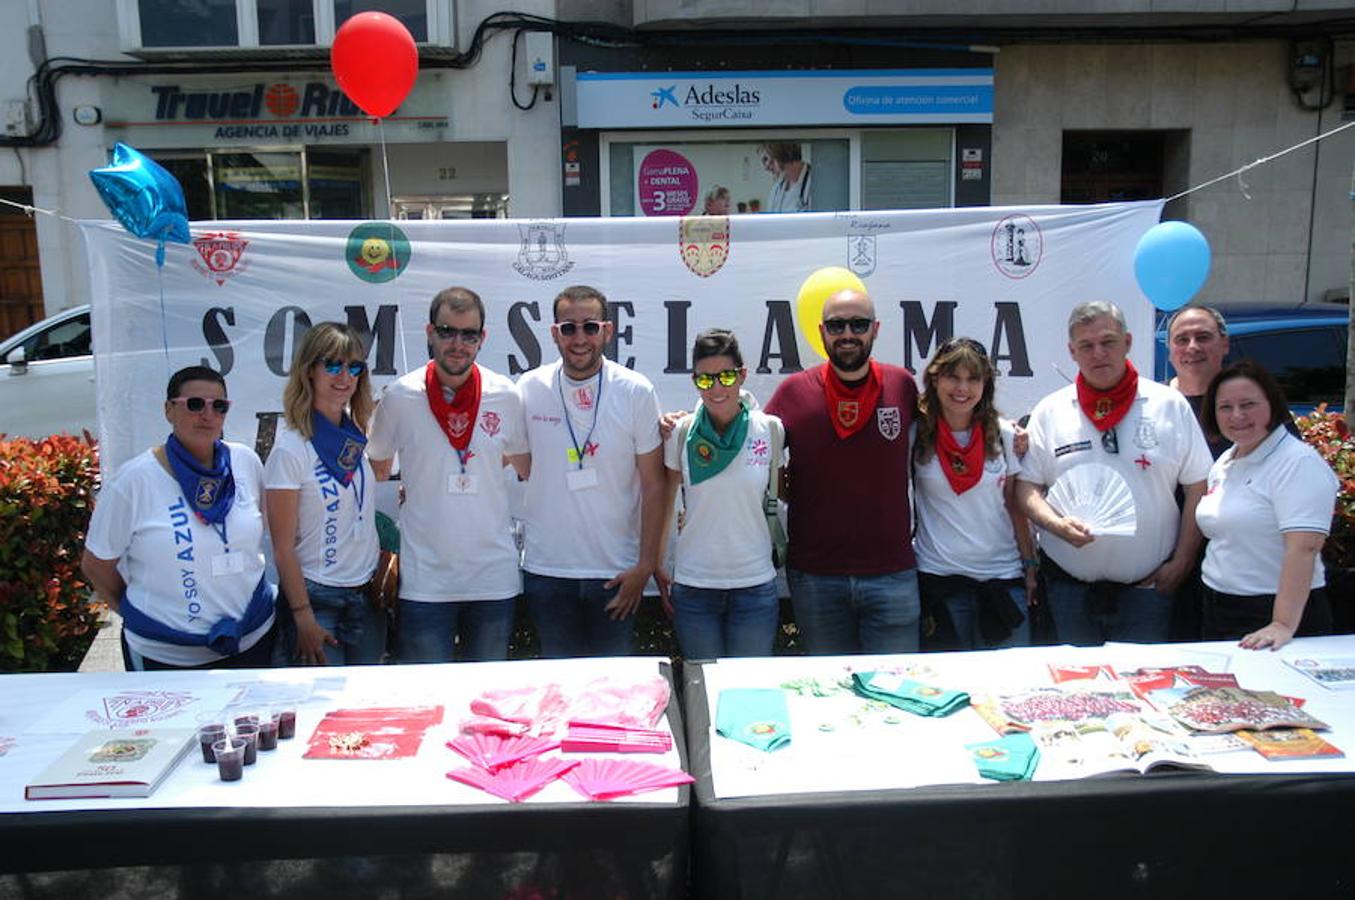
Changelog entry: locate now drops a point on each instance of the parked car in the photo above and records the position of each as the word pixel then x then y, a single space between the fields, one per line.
pixel 47 377
pixel 1304 346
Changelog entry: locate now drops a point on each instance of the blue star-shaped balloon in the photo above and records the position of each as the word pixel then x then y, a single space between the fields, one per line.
pixel 145 198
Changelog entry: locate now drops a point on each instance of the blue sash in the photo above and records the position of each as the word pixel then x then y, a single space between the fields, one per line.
pixel 224 637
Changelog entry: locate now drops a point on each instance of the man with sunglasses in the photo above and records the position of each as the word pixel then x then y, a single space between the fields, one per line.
pixel 453 423
pixel 1106 586
pixel 851 569
pixel 594 499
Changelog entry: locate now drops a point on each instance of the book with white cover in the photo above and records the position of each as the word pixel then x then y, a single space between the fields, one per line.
pixel 113 764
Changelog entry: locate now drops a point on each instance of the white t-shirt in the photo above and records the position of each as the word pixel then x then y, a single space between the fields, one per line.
pixel 971 533
pixel 724 542
pixel 336 540
pixel 1160 446
pixel 456 536
pixel 592 531
pixel 1249 503
pixel 165 552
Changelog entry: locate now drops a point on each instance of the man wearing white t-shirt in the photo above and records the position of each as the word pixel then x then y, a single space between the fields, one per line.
pixel 1105 587
pixel 594 498
pixel 453 424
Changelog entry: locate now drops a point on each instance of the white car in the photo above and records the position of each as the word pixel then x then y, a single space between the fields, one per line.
pixel 47 377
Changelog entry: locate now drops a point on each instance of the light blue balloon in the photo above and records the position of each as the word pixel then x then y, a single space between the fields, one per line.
pixel 1171 264
pixel 145 198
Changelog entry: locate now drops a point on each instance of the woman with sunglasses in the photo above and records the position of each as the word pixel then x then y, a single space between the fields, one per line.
pixel 975 551
pixel 724 598
pixel 321 512
pixel 175 545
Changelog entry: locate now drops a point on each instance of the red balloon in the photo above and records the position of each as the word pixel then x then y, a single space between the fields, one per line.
pixel 375 62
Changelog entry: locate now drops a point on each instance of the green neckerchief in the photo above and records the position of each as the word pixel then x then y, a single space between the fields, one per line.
pixel 709 452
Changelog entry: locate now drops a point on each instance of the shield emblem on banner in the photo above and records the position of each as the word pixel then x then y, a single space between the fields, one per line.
pixel 219 255
pixel 889 421
pixel 704 243
pixel 861 253
pixel 542 254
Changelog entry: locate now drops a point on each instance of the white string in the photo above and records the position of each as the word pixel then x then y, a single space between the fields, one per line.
pixel 385 167
pixel 1242 185
pixel 29 209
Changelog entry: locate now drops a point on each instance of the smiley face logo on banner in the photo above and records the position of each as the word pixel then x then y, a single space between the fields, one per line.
pixel 815 290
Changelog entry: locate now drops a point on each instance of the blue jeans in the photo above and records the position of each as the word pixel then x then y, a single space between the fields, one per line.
pixel 856 613
pixel 715 622
pixel 433 632
pixel 963 607
pixel 571 619
pixel 1139 615
pixel 345 613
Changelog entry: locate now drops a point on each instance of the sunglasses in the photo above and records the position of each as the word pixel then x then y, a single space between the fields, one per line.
pixel 198 404
pixel 858 324
pixel 956 343
pixel 467 335
pixel 704 381
pixel 590 328
pixel 335 366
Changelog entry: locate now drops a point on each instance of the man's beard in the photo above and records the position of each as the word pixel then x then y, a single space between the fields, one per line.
pixel 849 359
pixel 447 366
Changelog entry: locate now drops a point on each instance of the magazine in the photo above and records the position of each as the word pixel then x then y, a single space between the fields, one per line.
pixel 113 764
pixel 1290 743
pixel 1120 742
pixel 1232 709
pixel 1333 673
pixel 1073 702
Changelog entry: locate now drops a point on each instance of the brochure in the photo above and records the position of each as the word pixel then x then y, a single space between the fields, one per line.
pixel 1232 709
pixel 1333 673
pixel 1290 743
pixel 1073 702
pixel 113 764
pixel 1120 742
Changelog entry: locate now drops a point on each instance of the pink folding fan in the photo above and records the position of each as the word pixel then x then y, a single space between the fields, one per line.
pixel 492 751
pixel 516 782
pixel 607 779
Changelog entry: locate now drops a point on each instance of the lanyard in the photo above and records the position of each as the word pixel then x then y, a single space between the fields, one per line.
pixel 569 420
pixel 359 493
pixel 220 529
pixel 462 456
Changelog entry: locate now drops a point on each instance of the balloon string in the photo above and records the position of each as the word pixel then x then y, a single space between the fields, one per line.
pixel 385 167
pixel 28 209
pixel 164 328
pixel 1261 161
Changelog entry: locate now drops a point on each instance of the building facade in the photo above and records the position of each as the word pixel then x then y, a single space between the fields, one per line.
pixel 676 107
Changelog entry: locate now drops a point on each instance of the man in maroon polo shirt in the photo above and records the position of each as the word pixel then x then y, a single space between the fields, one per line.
pixel 852 574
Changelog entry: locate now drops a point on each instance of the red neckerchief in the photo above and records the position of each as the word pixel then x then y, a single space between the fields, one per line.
pixel 456 419
pixel 962 466
pixel 1107 408
pixel 849 408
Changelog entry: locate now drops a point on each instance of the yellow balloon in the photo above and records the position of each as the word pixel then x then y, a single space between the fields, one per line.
pixel 817 288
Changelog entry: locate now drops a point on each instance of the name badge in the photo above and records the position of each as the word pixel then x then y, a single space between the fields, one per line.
pixel 581 479
pixel 462 483
pixel 230 563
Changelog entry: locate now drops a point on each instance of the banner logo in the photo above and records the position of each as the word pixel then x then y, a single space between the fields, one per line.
pixel 219 254
pixel 1017 246
pixel 663 96
pixel 861 253
pixel 139 707
pixel 542 255
pixel 704 243
pixel 377 252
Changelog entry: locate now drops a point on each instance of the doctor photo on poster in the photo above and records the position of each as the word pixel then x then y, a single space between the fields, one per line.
pixel 792 190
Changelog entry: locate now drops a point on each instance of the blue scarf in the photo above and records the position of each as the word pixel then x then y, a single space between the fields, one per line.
pixel 338 446
pixel 209 492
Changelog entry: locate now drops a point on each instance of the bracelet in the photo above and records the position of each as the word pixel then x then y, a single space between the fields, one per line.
pixel 1032 563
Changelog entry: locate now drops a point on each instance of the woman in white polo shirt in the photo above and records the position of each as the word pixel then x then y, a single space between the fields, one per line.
pixel 724 594
pixel 1266 511
pixel 321 507
pixel 175 545
pixel 975 551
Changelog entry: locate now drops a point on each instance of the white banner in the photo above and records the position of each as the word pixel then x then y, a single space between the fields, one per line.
pixel 239 298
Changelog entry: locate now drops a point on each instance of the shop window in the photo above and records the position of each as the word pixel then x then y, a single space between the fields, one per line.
pixel 907 169
pixel 286 184
pixel 188 23
pixel 283 22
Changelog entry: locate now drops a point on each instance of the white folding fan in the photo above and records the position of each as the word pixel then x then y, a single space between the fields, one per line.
pixel 1098 495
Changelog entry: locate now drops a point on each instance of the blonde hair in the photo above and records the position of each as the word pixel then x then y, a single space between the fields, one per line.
pixel 955 355
pixel 327 340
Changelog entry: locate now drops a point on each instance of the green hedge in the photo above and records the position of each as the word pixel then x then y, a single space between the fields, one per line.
pixel 46 492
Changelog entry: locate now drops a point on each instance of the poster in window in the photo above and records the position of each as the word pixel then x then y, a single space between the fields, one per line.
pixel 717 179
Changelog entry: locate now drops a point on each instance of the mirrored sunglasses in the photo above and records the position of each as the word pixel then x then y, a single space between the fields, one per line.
pixel 198 404
pixel 704 381
pixel 590 328
pixel 467 335
pixel 335 366
pixel 858 325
